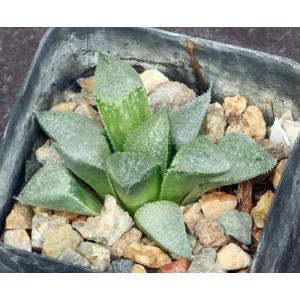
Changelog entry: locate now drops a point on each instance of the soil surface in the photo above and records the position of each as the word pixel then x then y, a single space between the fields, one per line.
pixel 18 45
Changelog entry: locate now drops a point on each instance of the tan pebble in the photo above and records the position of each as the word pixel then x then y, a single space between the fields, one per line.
pixel 20 217
pixel 232 257
pixel 133 235
pixel 136 268
pixel 234 107
pixel 152 78
pixel 147 241
pixel 278 172
pixel 260 212
pixel 292 129
pixel 254 123
pixel 87 83
pixel 64 106
pixel 179 266
pixel 17 238
pixel 214 204
pixel 192 215
pixel 38 210
pixel 57 240
pixel 210 233
pixel 149 256
pixel 215 123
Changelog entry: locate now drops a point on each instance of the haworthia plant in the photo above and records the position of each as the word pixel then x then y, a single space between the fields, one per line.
pixel 163 222
pixel 138 171
pixel 54 187
pixel 121 99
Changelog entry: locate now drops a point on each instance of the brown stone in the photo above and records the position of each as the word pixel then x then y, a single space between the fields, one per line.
pixel 64 106
pixel 68 215
pixel 137 268
pixel 149 256
pixel 234 107
pixel 278 172
pixel 192 215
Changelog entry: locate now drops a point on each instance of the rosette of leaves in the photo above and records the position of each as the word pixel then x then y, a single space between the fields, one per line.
pixel 151 162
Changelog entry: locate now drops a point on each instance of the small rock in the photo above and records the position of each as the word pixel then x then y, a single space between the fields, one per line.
pixel 192 215
pixel 278 135
pixel 20 217
pixel 205 262
pixel 87 111
pixel 65 214
pixel 17 238
pixel 170 95
pixel 215 122
pixel 210 233
pixel 214 204
pixel 133 235
pixel 292 129
pixel 149 256
pixel 278 172
pixel 120 266
pixel 152 78
pixel 278 151
pixel 254 124
pixel 234 107
pixel 237 224
pixel 260 212
pixel 136 268
pixel 232 257
pixel 87 87
pixel 64 106
pixel 251 123
pixel 107 228
pixel 74 258
pixel 41 210
pixel 70 96
pixel 41 222
pixel 97 255
pixel 46 154
pixel 179 266
pixel 57 240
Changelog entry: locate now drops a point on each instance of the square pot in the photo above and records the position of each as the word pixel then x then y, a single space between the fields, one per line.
pixel 66 54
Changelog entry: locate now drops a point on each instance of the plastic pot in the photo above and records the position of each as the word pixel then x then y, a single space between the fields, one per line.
pixel 66 54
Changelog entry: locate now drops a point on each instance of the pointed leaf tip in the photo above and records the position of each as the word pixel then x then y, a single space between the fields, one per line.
pixel 163 222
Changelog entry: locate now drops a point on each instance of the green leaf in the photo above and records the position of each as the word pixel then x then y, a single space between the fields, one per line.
pixel 247 160
pixel 121 99
pixel 82 147
pixel 163 222
pixel 152 138
pixel 54 187
pixel 135 177
pixel 194 163
pixel 186 121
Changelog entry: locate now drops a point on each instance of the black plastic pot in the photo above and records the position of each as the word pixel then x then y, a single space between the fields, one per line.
pixel 66 54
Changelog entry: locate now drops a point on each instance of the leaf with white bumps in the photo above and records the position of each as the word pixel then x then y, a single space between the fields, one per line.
pixel 186 121
pixel 81 145
pixel 193 164
pixel 163 222
pixel 135 177
pixel 152 138
pixel 247 160
pixel 54 187
pixel 121 99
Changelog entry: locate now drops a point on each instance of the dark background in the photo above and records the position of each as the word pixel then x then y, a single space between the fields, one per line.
pixel 18 45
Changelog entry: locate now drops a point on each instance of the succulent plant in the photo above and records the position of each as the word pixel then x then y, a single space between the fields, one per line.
pixel 151 162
